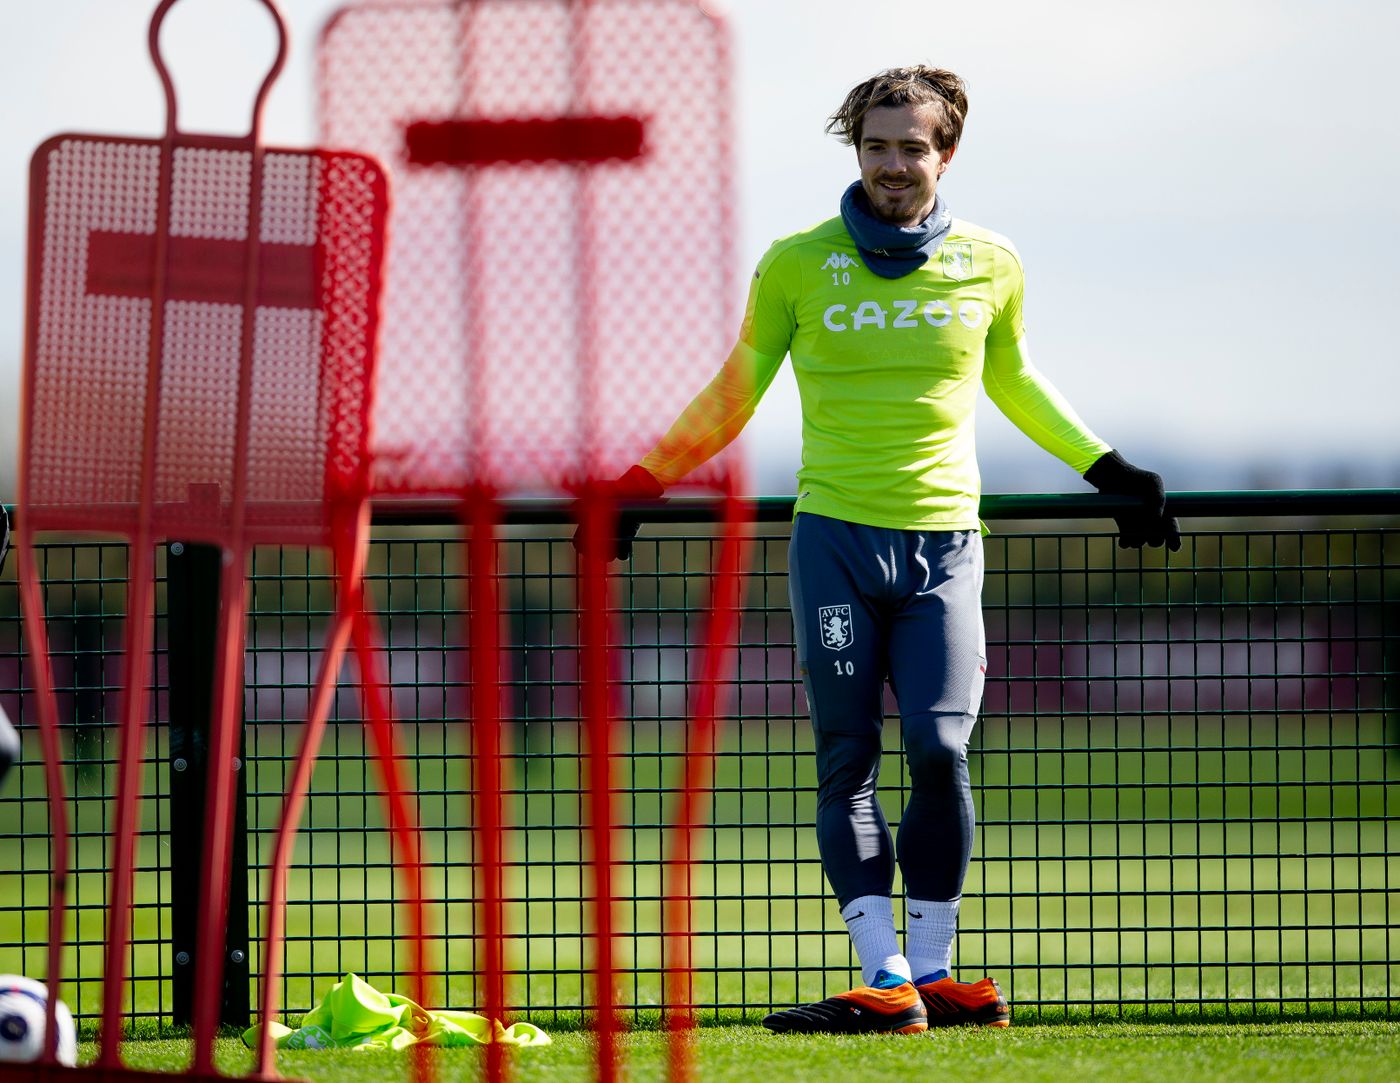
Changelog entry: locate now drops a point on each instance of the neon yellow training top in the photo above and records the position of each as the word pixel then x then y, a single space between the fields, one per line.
pixel 887 370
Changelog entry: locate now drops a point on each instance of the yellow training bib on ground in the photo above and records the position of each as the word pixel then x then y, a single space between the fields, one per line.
pixel 356 1015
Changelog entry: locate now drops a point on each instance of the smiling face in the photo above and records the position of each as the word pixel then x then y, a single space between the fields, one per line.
pixel 900 163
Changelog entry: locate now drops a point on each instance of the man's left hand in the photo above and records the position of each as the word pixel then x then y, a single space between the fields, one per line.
pixel 1150 525
pixel 636 484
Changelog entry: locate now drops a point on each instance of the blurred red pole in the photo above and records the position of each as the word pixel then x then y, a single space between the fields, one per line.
pixel 480 515
pixel 350 549
pixel 369 652
pixel 136 660
pixel 226 717
pixel 41 670
pixel 702 738
pixel 598 523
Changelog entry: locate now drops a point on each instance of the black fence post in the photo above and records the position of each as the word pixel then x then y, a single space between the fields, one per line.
pixel 89 695
pixel 192 610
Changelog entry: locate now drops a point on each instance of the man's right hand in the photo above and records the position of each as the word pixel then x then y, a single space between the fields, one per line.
pixel 636 484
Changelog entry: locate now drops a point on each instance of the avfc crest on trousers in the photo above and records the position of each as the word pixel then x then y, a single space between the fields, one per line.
pixel 957 261
pixel 837 633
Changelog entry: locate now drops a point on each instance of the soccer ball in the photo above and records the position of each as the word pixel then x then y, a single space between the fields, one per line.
pixel 22 1002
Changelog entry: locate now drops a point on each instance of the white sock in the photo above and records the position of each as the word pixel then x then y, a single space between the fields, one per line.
pixel 870 920
pixel 932 926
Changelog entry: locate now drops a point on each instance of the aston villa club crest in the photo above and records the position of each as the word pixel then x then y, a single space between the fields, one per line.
pixel 957 261
pixel 837 633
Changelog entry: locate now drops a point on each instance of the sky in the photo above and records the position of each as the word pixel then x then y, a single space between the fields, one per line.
pixel 1204 195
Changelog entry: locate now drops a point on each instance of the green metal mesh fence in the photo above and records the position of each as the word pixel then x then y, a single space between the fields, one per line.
pixel 1186 774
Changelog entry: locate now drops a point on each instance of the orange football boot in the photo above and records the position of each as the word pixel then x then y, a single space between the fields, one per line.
pixel 882 1008
pixel 952 1003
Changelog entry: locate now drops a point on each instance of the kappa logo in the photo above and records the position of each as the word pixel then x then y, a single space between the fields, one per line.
pixel 838 261
pixel 957 261
pixel 835 620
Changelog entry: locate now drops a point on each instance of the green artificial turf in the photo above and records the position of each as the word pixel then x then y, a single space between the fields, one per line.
pixel 1336 1051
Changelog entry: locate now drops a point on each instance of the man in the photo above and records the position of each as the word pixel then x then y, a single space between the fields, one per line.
pixel 893 312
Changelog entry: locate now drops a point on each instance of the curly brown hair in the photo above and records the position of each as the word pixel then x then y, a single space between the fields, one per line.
pixel 919 85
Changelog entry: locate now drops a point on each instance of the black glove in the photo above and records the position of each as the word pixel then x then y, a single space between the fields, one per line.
pixel 636 484
pixel 1150 525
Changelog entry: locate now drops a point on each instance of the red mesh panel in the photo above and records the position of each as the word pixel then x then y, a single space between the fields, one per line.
pixel 94 283
pixel 542 320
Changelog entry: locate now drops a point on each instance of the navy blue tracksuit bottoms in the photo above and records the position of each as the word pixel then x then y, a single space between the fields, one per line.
pixel 870 603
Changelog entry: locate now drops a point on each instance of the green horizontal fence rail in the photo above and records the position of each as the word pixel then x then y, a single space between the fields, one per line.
pixel 1187 768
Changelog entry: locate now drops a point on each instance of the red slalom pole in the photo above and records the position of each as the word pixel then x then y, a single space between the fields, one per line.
pixel 136 661
pixel 266 1053
pixel 41 668
pixel 349 549
pixel 369 653
pixel 702 736
pixel 140 608
pixel 598 517
pixel 480 516
pixel 227 718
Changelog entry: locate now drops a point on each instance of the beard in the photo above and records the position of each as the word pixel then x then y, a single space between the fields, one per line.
pixel 907 207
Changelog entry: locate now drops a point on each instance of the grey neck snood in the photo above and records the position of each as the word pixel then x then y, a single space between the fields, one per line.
pixel 892 251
